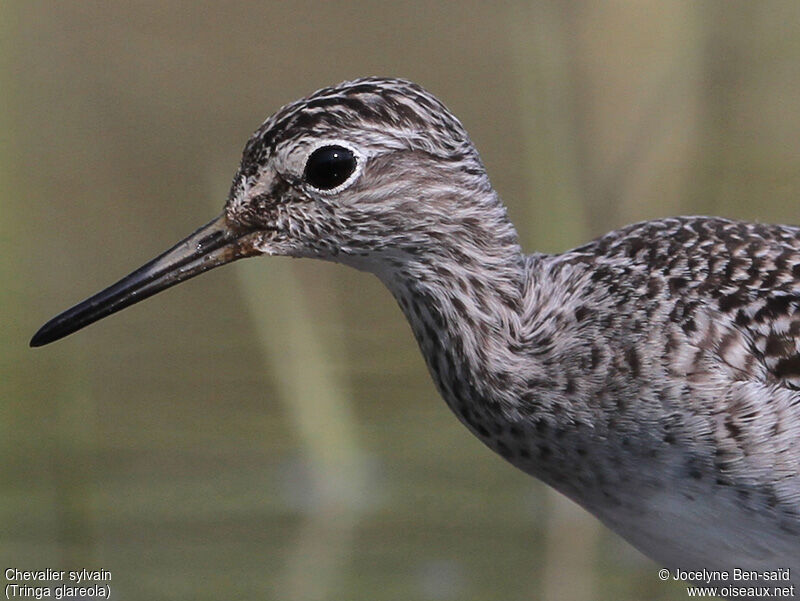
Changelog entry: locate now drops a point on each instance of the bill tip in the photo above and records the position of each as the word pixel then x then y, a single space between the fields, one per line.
pixel 42 337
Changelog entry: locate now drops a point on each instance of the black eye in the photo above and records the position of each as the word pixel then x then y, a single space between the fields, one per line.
pixel 329 167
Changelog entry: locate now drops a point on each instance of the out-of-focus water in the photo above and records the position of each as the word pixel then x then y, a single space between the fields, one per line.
pixel 269 430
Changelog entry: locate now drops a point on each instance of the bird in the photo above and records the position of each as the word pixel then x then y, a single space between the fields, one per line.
pixel 651 375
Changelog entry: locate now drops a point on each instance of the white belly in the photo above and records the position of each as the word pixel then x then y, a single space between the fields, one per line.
pixel 712 532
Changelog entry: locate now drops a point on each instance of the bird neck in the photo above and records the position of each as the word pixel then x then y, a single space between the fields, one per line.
pixel 463 299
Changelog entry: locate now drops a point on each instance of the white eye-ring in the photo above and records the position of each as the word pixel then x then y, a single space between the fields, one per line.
pixel 331 166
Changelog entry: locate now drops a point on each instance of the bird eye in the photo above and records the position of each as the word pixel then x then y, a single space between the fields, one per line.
pixel 329 167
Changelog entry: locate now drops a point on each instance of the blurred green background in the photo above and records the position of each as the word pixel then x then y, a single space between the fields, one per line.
pixel 269 431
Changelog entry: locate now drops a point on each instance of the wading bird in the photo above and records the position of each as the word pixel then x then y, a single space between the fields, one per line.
pixel 652 375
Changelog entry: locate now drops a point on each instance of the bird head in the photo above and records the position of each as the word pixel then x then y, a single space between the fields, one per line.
pixel 359 173
pixel 371 173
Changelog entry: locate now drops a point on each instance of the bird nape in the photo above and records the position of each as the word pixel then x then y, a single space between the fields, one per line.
pixel 653 375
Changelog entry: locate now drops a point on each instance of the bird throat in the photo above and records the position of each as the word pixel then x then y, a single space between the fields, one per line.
pixel 461 314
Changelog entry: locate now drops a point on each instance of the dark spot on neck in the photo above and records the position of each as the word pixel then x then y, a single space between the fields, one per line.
pixel 788 368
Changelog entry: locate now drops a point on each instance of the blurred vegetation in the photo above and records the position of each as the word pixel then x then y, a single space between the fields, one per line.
pixel 269 430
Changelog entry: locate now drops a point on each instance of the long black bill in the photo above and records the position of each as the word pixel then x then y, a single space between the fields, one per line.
pixel 214 244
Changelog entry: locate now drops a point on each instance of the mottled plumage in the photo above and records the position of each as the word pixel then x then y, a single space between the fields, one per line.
pixel 652 375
